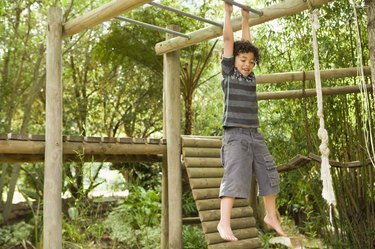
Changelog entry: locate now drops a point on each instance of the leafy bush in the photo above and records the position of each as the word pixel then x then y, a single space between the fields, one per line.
pixel 193 237
pixel 136 222
pixel 11 236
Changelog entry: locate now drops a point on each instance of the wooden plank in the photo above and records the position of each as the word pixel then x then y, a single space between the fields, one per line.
pixel 38 138
pixel 237 223
pixel 296 162
pixel 3 137
pixel 201 152
pixel 205 193
pixel 92 139
pixel 237 212
pixel 202 162
pixel 284 8
pixel 241 234
pixel 253 243
pixel 154 140
pixel 140 140
pixel 201 142
pixel 101 14
pixel 212 204
pixel 354 164
pixel 199 183
pixel 205 172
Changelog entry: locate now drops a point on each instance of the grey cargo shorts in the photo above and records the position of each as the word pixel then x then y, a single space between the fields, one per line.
pixel 244 153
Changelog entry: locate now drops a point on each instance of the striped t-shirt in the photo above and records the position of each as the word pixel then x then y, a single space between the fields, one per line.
pixel 240 99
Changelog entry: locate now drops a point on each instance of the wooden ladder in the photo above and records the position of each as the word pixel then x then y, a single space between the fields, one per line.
pixel 201 157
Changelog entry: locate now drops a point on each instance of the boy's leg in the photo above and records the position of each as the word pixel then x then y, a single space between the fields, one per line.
pixel 271 217
pixel 224 228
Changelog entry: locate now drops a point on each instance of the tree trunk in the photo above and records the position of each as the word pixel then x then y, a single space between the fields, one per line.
pixel 2 181
pixel 12 188
pixel 188 115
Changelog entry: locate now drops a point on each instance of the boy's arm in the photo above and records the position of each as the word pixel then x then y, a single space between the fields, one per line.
pixel 227 30
pixel 245 25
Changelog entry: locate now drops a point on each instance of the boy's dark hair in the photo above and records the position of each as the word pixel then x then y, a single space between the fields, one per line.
pixel 245 46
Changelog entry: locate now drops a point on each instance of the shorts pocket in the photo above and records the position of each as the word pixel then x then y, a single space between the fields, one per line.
pixel 274 178
pixel 270 164
pixel 272 173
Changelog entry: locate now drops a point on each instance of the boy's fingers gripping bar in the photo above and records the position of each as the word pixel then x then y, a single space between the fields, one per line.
pixel 260 13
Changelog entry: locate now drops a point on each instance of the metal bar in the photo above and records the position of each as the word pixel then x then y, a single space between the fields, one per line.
pixel 147 25
pixel 260 13
pixel 185 14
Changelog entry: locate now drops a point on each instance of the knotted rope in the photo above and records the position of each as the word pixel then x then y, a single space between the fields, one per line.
pixel 325 174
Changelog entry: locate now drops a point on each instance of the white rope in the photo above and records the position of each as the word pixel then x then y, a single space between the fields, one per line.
pixel 327 193
pixel 367 123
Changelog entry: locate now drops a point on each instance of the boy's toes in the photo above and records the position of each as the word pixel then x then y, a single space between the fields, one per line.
pixel 226 234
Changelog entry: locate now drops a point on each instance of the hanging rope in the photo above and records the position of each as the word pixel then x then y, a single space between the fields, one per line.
pixel 367 124
pixel 325 176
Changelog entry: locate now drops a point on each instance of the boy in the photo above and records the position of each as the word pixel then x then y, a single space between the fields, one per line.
pixel 244 151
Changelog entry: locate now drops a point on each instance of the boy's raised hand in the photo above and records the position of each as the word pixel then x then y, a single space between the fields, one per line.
pixel 245 14
pixel 228 7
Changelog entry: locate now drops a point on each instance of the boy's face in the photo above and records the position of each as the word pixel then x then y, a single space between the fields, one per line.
pixel 245 62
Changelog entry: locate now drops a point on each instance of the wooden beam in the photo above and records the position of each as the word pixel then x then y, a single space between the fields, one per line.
pixel 285 8
pixel 293 94
pixel 173 127
pixel 81 148
pixel 310 75
pixel 35 158
pixel 52 218
pixel 101 14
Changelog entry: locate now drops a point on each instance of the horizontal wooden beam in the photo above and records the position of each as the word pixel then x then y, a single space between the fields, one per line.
pixel 101 14
pixel 293 94
pixel 310 75
pixel 35 158
pixel 74 148
pixel 282 9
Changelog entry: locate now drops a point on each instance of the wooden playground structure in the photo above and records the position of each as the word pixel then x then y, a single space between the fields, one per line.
pixel 54 148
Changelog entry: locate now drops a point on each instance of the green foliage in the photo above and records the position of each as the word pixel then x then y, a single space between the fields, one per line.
pixel 136 221
pixel 145 175
pixel 11 236
pixel 189 207
pixel 193 237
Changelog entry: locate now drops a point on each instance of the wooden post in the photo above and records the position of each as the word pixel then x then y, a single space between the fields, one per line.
pixel 164 181
pixel 173 125
pixel 370 4
pixel 52 224
pixel 284 8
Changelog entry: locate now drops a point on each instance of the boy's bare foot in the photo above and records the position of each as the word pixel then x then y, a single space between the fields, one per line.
pixel 274 224
pixel 226 233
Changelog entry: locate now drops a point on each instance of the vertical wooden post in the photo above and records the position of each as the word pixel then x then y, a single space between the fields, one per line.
pixel 173 125
pixel 164 181
pixel 370 4
pixel 52 224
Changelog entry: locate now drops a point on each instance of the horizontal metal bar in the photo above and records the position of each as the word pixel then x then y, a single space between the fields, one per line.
pixel 260 13
pixel 147 25
pixel 185 14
